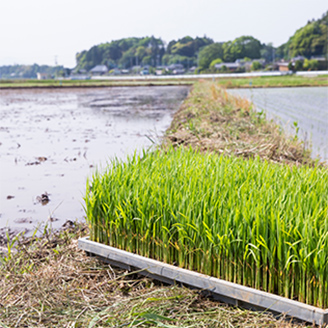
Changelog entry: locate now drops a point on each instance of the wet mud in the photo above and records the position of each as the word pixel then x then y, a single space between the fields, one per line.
pixel 52 140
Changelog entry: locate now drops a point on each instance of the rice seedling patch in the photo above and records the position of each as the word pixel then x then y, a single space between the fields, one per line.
pixel 248 221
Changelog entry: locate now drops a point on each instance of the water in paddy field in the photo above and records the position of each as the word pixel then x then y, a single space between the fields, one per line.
pixel 51 141
pixel 306 106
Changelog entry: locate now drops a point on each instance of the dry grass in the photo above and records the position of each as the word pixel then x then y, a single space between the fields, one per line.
pixel 49 282
pixel 212 120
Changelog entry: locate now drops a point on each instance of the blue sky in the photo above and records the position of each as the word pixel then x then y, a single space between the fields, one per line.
pixel 39 31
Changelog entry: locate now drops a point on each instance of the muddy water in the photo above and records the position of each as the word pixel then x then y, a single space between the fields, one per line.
pixel 300 111
pixel 51 141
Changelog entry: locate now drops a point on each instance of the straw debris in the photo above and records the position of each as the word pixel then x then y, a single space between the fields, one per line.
pixel 49 282
pixel 210 119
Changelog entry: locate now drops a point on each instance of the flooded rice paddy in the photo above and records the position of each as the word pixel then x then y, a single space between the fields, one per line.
pixel 51 141
pixel 299 111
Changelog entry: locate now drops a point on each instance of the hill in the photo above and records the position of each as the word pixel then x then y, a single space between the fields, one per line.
pixel 308 41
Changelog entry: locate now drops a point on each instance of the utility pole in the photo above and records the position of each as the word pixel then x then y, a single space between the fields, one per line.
pixel 56 66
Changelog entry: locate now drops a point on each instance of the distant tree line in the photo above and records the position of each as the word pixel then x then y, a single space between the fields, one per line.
pixel 308 41
pixel 201 52
pixel 30 71
pixel 188 51
pixel 129 52
pixel 245 47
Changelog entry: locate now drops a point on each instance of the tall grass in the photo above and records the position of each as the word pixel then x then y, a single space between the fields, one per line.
pixel 250 222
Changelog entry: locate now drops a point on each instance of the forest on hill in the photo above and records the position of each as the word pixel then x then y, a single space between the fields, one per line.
pixel 188 51
pixel 308 41
pixel 201 53
pixel 128 52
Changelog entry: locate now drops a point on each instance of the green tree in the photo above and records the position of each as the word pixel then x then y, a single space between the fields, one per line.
pixel 267 52
pixel 215 61
pixel 147 60
pixel 187 47
pixel 224 69
pixel 141 52
pixel 256 66
pixel 124 53
pixel 244 46
pixel 208 54
pixel 291 66
pixel 177 59
pixel 310 65
pixel 128 59
pixel 111 51
pixel 310 40
pixel 183 49
pixel 227 55
pixel 298 65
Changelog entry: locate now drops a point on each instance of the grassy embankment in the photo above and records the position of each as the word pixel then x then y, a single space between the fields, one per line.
pixel 255 82
pixel 49 282
pixel 212 120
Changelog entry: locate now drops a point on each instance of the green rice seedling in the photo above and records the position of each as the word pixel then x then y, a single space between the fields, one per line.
pixel 252 222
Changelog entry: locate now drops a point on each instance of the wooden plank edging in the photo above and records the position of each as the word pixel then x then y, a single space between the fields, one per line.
pixel 226 291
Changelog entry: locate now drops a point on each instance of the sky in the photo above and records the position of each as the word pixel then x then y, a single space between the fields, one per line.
pixel 52 32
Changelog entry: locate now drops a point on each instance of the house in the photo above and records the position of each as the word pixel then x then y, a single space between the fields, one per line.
pixel 301 58
pixel 227 66
pixel 79 74
pixel 283 66
pixel 248 64
pixel 145 70
pixel 192 69
pixel 99 70
pixel 176 69
pixel 42 76
pixel 322 62
pixel 159 70
pixel 77 71
pixel 115 71
pixel 239 65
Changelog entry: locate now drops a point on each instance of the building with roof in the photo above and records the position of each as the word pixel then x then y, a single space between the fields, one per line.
pixel 227 66
pixel 42 76
pixel 283 66
pixel 99 70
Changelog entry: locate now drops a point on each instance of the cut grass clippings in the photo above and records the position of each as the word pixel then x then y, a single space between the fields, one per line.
pixel 49 282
